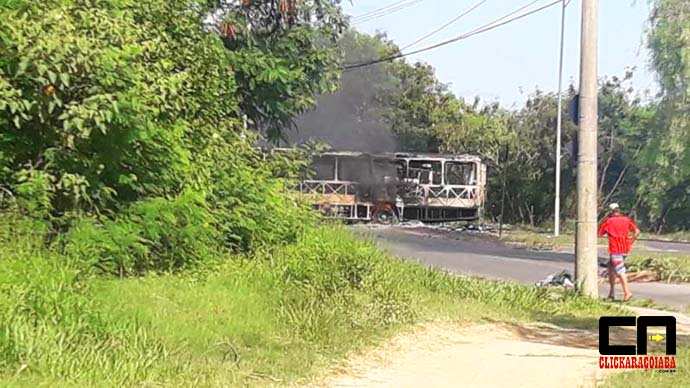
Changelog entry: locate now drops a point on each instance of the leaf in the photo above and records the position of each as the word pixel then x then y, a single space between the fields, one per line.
pixel 23 65
pixel 64 79
pixel 79 123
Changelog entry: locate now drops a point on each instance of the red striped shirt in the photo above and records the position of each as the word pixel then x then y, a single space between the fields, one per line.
pixel 618 228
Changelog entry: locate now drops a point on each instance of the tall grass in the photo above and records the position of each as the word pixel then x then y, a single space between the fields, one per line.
pixel 49 327
pixel 275 316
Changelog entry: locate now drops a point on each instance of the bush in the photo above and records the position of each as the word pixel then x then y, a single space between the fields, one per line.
pixel 332 280
pixel 151 235
pixel 105 99
pixel 106 113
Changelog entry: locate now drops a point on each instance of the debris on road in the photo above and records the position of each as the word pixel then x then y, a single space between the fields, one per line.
pixel 446 226
pixel 560 279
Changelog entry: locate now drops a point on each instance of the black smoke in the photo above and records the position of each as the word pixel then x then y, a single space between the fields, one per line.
pixel 376 177
pixel 353 118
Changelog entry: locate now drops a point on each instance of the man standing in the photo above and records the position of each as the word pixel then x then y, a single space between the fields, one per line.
pixel 618 228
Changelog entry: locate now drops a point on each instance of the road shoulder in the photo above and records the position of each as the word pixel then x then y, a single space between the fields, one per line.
pixel 485 355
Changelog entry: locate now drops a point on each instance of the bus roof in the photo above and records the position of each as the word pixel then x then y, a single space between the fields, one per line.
pixel 400 155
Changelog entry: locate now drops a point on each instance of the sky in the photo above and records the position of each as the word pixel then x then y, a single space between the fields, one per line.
pixel 508 63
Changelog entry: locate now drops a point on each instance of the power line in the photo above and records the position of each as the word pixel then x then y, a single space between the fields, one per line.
pixel 366 14
pixel 513 12
pixel 384 11
pixel 495 21
pixel 455 19
pixel 380 14
pixel 477 31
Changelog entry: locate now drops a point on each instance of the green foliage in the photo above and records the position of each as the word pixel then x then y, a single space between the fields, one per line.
pixel 521 145
pixel 49 325
pixel 335 281
pixel 425 117
pixel 155 234
pixel 250 207
pixel 665 158
pixel 121 119
pixel 417 106
pixel 281 314
pixel 34 193
pixel 101 96
pixel 283 55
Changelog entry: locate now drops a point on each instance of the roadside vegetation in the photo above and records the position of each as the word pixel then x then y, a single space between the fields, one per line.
pixel 144 240
pixel 276 315
pixel 533 237
pixel 672 267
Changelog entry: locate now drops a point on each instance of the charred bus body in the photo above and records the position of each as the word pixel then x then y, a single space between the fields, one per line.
pixel 352 185
pixel 436 187
pixel 389 187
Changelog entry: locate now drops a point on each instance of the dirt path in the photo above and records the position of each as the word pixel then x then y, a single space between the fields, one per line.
pixel 489 355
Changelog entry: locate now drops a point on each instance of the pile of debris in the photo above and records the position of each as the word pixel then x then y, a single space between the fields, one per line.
pixel 565 279
pixel 448 226
pixel 560 279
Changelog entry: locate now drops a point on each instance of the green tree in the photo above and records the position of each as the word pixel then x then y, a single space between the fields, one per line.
pixel 105 98
pixel 623 128
pixel 419 104
pixel 283 54
pixel 528 137
pixel 128 111
pixel 666 157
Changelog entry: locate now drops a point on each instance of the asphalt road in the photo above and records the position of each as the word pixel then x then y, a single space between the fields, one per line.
pixel 484 256
pixel 663 246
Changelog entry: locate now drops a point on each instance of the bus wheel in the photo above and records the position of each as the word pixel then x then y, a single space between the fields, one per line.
pixel 386 217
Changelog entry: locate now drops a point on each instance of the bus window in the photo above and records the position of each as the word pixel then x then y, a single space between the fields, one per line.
pixel 460 173
pixel 354 169
pixel 427 172
pixel 323 168
pixel 401 169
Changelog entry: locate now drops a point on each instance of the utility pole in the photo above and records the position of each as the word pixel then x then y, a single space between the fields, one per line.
pixel 586 237
pixel 559 124
pixel 503 191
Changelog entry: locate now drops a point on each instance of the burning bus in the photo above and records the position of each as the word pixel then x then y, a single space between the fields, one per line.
pixel 438 187
pixel 386 188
